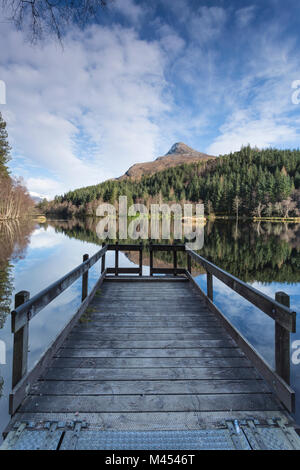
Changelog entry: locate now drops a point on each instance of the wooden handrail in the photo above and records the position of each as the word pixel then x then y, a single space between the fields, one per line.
pixel 23 313
pixel 278 309
pixel 283 315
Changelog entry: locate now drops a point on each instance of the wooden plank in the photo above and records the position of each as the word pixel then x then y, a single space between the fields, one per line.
pixel 153 403
pixel 28 310
pixel 186 373
pixel 157 247
pixel 21 389
pixel 155 279
pixel 149 362
pixel 102 330
pixel 209 281
pixel 20 348
pixel 282 390
pixel 283 315
pixel 97 321
pixel 123 271
pixel 137 318
pixel 138 295
pixel 143 313
pixel 85 280
pixel 155 387
pixel 200 352
pixel 146 336
pixel 123 247
pixel 282 343
pixel 142 344
pixel 141 259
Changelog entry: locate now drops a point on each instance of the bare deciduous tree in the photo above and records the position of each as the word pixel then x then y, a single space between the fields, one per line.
pixel 15 202
pixel 44 17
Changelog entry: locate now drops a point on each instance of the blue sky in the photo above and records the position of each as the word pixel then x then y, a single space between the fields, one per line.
pixel 214 74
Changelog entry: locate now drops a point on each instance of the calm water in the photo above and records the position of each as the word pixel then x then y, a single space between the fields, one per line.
pixel 34 255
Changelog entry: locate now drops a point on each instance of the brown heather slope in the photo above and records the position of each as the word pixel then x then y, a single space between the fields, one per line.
pixel 178 154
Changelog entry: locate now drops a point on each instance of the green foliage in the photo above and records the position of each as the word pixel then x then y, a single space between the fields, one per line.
pixel 259 251
pixel 250 177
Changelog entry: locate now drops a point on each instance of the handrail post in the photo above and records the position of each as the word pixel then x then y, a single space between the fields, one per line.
pixel 116 259
pixel 282 342
pixel 20 352
pixel 175 261
pixel 189 263
pixel 209 282
pixel 141 259
pixel 151 258
pixel 103 260
pixel 85 280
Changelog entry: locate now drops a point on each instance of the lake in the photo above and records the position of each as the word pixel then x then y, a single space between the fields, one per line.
pixel 33 255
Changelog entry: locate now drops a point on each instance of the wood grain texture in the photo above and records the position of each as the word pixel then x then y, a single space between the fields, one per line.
pixel 148 349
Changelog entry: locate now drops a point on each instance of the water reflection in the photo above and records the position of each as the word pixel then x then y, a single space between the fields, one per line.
pixel 14 239
pixel 34 255
pixel 264 252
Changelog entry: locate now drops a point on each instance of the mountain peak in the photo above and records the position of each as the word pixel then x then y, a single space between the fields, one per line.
pixel 180 148
pixel 178 154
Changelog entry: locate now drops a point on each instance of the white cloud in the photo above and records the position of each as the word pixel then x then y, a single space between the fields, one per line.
pixel 261 133
pixel 106 89
pixel 129 9
pixel 207 24
pixel 260 110
pixel 245 15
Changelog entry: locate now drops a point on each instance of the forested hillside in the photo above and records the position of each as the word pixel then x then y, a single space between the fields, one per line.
pixel 250 182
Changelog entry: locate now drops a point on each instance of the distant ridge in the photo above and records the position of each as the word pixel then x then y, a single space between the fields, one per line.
pixel 178 154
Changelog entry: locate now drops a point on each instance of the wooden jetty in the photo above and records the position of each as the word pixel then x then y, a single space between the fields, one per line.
pixel 151 362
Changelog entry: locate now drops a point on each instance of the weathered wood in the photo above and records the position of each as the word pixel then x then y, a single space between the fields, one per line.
pixel 189 263
pixel 174 271
pixel 175 403
pixel 26 311
pixel 85 280
pixel 282 343
pixel 141 259
pixel 283 315
pixel 149 362
pixel 90 327
pixel 151 259
pixel 184 352
pixel 20 351
pixel 89 336
pixel 116 259
pixel 141 344
pixel 146 279
pixel 118 271
pixel 148 346
pixel 187 373
pixel 157 247
pixel 103 260
pixel 209 281
pixel 123 247
pixel 283 391
pixel 22 387
pixel 175 263
pixel 146 387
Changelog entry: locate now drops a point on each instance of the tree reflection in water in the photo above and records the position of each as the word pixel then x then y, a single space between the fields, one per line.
pixel 251 251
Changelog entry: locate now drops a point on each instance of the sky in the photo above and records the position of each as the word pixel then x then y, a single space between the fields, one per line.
pixel 215 75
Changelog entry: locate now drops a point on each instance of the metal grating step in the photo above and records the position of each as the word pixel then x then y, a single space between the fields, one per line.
pixel 230 435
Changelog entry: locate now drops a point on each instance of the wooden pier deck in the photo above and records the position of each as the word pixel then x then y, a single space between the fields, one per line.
pixel 150 353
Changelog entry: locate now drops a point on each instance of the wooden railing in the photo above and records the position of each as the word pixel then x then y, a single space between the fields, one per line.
pixel 278 309
pixel 26 309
